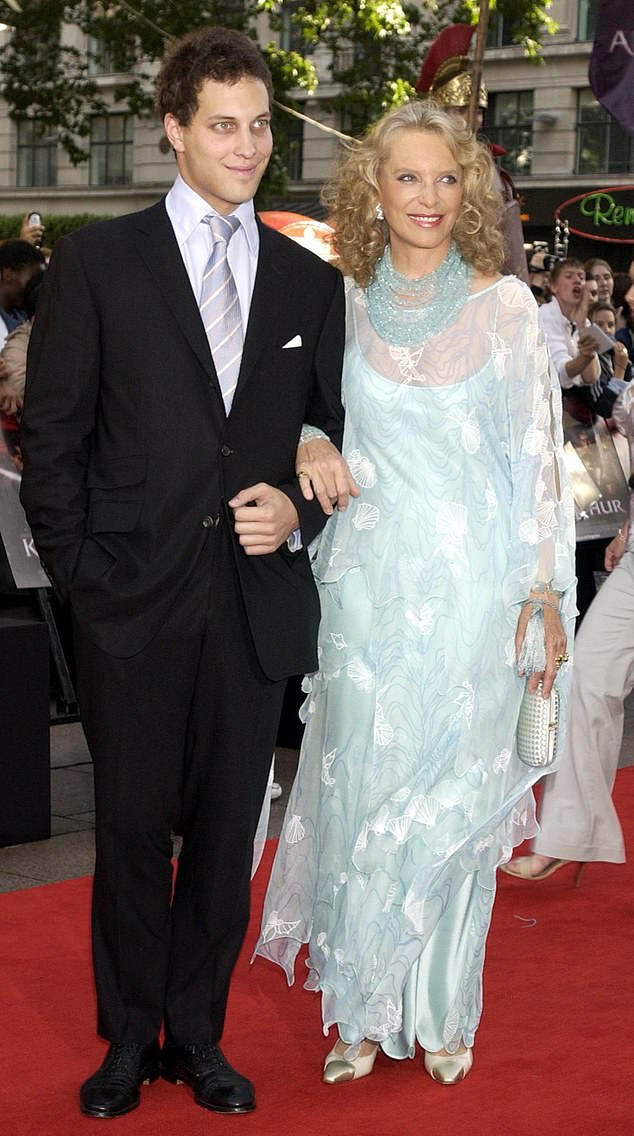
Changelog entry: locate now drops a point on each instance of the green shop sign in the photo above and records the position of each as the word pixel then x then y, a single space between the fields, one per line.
pixel 601 214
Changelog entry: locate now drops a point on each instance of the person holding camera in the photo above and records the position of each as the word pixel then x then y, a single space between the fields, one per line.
pixel 541 262
pixel 32 229
pixel 538 275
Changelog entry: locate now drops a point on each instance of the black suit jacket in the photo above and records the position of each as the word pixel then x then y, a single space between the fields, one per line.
pixel 129 458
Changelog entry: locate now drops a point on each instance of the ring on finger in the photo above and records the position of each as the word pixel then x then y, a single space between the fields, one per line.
pixel 302 473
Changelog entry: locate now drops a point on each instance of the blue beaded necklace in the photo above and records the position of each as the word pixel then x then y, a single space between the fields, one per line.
pixel 406 313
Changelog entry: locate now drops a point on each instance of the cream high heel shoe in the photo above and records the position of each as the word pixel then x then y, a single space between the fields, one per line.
pixel 449 1068
pixel 521 868
pixel 338 1069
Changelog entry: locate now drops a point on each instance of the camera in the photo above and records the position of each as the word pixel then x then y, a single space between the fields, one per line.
pixel 549 261
pixel 34 219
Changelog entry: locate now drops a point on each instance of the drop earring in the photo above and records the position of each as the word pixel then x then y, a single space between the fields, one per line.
pixel 380 215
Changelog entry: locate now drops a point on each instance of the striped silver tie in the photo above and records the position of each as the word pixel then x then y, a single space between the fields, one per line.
pixel 220 307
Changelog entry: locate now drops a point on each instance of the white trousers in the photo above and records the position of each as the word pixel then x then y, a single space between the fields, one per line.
pixel 577 818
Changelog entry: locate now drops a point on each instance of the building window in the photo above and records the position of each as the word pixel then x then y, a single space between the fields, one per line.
pixel 509 123
pixel 37 155
pixel 499 31
pixel 100 60
pixel 291 38
pixel 367 55
pixel 111 150
pixel 231 12
pixel 587 19
pixel 290 145
pixel 603 147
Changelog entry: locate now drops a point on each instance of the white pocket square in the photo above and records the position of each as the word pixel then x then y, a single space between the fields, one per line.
pixel 296 341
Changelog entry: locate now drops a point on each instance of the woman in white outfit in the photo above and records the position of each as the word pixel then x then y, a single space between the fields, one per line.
pixel 577 817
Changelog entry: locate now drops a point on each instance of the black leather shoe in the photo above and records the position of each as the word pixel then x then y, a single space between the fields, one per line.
pixel 114 1089
pixel 216 1085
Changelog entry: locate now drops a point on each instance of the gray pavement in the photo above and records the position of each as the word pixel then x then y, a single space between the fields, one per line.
pixel 70 850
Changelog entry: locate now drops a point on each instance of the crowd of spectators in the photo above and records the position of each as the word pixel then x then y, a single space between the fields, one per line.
pixel 22 262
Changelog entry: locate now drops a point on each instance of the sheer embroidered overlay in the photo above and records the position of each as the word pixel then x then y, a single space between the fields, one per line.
pixel 409 792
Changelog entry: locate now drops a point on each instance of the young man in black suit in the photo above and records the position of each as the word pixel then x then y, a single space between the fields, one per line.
pixel 167 510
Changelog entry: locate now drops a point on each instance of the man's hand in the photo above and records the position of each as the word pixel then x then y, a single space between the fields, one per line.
pixel 264 518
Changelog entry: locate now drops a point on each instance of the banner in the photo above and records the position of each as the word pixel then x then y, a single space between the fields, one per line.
pixel 611 71
pixel 596 477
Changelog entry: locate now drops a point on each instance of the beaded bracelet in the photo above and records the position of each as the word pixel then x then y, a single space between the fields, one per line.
pixel 547 587
pixel 535 602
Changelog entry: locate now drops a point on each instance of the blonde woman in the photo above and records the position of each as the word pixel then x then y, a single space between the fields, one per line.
pixel 409 793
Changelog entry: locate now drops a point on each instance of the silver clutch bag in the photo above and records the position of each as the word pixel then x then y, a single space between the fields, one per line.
pixel 537 727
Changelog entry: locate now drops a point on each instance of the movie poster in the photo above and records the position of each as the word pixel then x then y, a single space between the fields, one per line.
pixel 597 478
pixel 23 561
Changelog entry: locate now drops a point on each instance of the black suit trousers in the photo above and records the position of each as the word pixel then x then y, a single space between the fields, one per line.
pixel 181 735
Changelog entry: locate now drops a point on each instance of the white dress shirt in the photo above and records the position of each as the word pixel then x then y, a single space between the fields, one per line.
pixel 186 210
pixel 561 337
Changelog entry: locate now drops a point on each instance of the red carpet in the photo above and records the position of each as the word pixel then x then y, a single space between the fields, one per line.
pixel 554 1054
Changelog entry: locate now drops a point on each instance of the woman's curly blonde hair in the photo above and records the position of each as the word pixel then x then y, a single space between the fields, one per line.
pixel 360 237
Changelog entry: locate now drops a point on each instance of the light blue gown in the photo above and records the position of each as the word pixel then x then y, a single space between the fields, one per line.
pixel 409 792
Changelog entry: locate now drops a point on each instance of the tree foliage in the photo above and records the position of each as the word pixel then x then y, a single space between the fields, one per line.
pixel 528 20
pixel 376 47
